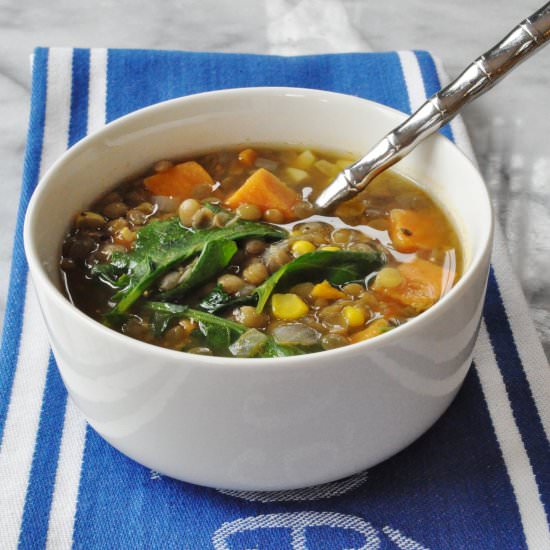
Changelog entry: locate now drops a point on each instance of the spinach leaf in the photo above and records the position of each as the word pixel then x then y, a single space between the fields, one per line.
pixel 214 257
pixel 220 333
pixel 178 311
pixel 218 299
pixel 338 267
pixel 218 337
pixel 273 349
pixel 162 244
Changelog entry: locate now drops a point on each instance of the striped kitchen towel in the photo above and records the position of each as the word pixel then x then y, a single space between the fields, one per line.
pixel 479 479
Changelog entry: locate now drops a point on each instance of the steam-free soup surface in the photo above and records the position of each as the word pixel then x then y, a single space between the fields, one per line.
pixel 222 254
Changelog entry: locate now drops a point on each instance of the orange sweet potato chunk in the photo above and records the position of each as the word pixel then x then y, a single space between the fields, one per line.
pixel 179 180
pixel 421 287
pixel 410 230
pixel 265 190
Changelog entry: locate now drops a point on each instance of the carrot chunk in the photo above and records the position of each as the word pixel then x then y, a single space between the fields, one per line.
pixel 266 191
pixel 410 230
pixel 421 285
pixel 374 329
pixel 179 180
pixel 248 157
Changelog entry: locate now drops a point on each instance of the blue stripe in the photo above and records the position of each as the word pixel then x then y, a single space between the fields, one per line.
pixel 13 320
pixel 432 84
pixel 38 500
pixel 34 529
pixel 78 124
pixel 517 387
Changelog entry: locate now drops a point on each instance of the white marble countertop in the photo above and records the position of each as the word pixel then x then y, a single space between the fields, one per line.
pixel 507 129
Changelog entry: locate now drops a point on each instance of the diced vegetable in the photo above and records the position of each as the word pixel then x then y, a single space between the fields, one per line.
pixel 305 160
pixel 354 316
pixel 266 191
pixel 374 329
pixel 327 168
pixel 421 285
pixel 299 248
pixel 268 164
pixel 295 334
pixel 327 291
pixel 411 230
pixel 248 157
pixel 296 175
pixel 179 180
pixel 249 344
pixel 288 307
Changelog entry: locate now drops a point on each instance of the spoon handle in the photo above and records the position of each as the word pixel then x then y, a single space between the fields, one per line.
pixel 480 76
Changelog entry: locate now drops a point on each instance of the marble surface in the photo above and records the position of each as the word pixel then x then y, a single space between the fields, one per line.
pixel 509 127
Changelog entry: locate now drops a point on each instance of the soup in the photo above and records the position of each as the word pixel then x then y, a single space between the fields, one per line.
pixel 223 255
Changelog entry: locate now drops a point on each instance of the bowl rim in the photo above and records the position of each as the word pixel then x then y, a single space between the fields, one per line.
pixel 42 279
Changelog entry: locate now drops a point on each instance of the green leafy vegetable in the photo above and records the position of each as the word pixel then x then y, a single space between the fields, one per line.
pixel 159 246
pixel 222 333
pixel 218 299
pixel 214 257
pixel 338 267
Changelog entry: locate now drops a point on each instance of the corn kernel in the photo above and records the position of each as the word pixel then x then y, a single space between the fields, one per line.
pixel 330 248
pixel 305 160
pixel 327 291
pixel 288 307
pixel 302 247
pixel 354 316
pixel 296 175
pixel 327 168
pixel 388 277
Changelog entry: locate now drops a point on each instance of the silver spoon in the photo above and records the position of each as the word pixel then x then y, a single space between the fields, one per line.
pixel 524 40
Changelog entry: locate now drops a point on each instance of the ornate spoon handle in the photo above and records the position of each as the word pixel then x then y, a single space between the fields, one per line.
pixel 523 41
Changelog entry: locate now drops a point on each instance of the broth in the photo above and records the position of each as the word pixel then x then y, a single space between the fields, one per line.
pixel 222 254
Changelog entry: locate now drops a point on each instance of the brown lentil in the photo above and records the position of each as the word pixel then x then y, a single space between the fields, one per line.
pixel 249 212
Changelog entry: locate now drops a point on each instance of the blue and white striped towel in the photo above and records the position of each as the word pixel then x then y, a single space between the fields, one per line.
pixel 480 478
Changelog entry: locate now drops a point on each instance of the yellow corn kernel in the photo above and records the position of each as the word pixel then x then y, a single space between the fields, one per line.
pixel 327 291
pixel 388 277
pixel 302 247
pixel 305 160
pixel 327 168
pixel 288 307
pixel 330 248
pixel 354 316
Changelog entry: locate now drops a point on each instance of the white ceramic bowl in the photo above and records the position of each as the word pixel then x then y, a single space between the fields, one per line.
pixel 259 424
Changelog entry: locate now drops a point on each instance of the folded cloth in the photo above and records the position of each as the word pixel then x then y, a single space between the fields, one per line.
pixel 480 478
